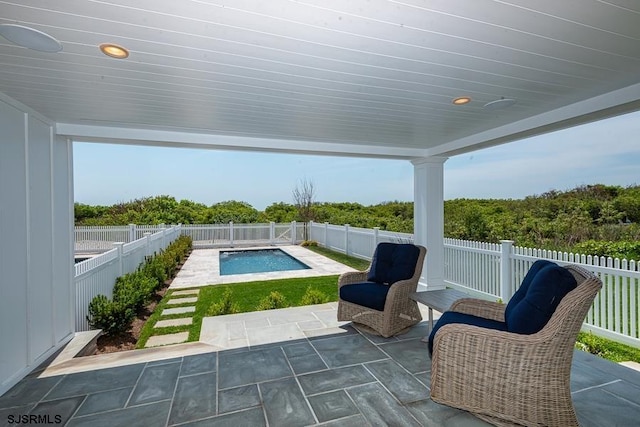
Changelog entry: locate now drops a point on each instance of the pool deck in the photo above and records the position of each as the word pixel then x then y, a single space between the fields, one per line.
pixel 203 268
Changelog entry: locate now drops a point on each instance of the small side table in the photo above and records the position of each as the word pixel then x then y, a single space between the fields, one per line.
pixel 439 300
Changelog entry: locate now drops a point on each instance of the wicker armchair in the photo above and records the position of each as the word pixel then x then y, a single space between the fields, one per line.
pixel 512 379
pixel 399 311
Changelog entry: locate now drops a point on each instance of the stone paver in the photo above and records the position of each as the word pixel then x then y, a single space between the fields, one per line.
pixel 186 292
pixel 173 322
pixel 157 340
pixel 178 310
pixel 182 300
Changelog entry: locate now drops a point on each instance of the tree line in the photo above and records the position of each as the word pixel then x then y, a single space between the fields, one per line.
pixel 600 219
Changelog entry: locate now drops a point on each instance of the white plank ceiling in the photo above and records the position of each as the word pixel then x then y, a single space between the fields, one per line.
pixel 359 77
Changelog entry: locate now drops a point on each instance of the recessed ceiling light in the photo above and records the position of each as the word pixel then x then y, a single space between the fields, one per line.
pixel 114 51
pixel 499 104
pixel 462 100
pixel 30 38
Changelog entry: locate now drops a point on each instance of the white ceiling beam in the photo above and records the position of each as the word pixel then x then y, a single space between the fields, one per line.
pixel 166 138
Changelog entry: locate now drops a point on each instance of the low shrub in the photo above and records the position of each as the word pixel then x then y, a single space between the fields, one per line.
pixel 133 290
pixel 224 306
pixel 112 317
pixel 622 249
pixel 154 267
pixel 309 243
pixel 313 296
pixel 272 301
pixel 592 344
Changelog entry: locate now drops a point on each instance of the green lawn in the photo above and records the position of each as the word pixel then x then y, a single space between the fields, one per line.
pixel 246 296
pixel 357 263
pixel 607 349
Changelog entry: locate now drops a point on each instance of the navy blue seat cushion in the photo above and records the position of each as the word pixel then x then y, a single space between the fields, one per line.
pixel 393 262
pixel 524 286
pixel 549 285
pixel 368 294
pixel 468 319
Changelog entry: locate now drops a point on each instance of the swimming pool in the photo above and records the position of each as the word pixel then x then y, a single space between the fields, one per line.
pixel 257 261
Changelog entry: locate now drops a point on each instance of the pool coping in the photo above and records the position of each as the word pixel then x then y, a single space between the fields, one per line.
pixel 203 267
pixel 240 259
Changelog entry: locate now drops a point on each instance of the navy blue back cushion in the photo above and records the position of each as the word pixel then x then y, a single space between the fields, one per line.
pixel 544 293
pixel 367 294
pixel 524 286
pixel 455 317
pixel 393 262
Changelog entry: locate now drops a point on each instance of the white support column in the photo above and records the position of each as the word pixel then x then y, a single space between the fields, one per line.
pixel 428 218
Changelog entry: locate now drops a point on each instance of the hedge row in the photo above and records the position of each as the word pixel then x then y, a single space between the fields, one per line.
pixel 133 290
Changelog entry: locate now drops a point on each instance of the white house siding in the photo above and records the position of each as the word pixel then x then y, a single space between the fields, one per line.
pixel 36 254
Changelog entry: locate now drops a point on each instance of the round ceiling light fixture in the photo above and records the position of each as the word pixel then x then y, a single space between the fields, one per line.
pixel 461 100
pixel 30 38
pixel 499 104
pixel 114 50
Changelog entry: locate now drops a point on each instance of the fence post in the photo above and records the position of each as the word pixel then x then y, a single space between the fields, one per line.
pixel 376 236
pixel 346 239
pixel 147 236
pixel 326 232
pixel 272 232
pixel 119 246
pixel 231 233
pixel 506 246
pixel 132 232
pixel 294 232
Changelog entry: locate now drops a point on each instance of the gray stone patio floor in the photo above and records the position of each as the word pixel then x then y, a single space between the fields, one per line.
pixel 341 378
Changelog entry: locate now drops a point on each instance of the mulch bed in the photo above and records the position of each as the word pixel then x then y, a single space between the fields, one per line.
pixel 127 340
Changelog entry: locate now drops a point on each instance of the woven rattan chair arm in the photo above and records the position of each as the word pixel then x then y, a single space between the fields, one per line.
pixel 399 292
pixel 351 277
pixel 402 288
pixel 468 361
pixel 481 308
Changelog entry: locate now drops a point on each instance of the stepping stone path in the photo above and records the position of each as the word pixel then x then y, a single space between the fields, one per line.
pixel 178 297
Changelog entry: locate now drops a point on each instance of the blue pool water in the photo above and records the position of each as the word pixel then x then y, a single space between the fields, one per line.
pixel 257 261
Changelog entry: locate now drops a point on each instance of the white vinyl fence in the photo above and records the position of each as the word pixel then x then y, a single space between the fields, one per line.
pixel 495 271
pixel 96 239
pixel 231 234
pixel 98 274
pixel 353 241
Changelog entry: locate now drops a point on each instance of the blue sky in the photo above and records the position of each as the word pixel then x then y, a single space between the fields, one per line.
pixel 606 152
